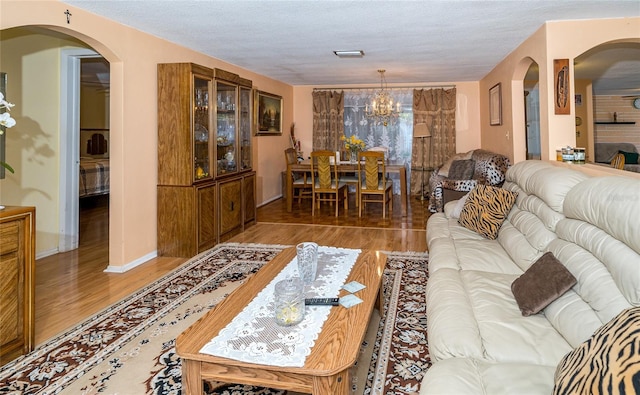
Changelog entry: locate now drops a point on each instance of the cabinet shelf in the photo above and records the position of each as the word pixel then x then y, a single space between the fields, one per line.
pixel 614 123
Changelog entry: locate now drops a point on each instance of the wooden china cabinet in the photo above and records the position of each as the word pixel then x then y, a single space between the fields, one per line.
pixel 206 186
pixel 17 281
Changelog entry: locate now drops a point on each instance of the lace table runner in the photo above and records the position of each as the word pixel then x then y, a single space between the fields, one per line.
pixel 253 335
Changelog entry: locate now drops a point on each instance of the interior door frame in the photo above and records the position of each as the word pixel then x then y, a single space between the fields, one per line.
pixel 69 204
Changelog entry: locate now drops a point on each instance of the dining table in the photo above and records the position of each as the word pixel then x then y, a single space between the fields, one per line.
pixel 350 167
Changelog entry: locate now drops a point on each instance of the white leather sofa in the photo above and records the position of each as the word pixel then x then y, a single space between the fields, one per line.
pixel 479 341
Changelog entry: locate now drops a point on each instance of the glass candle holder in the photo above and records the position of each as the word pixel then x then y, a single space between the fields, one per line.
pixel 289 301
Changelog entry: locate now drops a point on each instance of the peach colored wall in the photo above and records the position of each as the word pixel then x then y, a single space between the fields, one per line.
pixel 554 40
pixel 133 57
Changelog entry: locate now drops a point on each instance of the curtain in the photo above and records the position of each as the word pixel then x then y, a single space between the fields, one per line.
pixel 328 125
pixel 434 118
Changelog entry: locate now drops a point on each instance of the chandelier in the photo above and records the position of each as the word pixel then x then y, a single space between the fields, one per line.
pixel 381 108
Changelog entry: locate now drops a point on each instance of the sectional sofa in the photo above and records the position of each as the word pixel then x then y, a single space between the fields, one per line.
pixel 479 340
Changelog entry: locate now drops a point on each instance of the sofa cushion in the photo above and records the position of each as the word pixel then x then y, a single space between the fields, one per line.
pixel 545 281
pixel 462 169
pixel 611 204
pixel 459 205
pixel 609 360
pixel 467 376
pixel 474 314
pixel 485 210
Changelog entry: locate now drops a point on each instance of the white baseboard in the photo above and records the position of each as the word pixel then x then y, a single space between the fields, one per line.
pixel 131 265
pixel 44 254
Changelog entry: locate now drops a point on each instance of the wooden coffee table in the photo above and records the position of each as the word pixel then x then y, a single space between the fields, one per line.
pixel 326 370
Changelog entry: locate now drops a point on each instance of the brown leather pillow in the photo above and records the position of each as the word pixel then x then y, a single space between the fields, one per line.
pixel 545 281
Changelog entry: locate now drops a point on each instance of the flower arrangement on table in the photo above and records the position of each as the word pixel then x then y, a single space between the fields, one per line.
pixel 6 121
pixel 354 145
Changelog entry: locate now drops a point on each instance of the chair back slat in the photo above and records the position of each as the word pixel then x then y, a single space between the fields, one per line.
pixel 371 172
pixel 291 156
pixel 618 162
pixel 373 168
pixel 322 170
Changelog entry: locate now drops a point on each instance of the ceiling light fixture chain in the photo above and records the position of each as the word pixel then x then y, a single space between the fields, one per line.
pixel 382 108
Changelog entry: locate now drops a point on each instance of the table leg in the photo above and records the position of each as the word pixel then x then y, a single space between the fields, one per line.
pixel 380 299
pixel 403 190
pixel 289 190
pixel 339 384
pixel 191 378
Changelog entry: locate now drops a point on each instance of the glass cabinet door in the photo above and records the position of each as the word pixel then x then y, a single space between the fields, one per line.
pixel 245 128
pixel 201 140
pixel 226 128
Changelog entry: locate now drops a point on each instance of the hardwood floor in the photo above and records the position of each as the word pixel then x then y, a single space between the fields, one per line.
pixel 72 286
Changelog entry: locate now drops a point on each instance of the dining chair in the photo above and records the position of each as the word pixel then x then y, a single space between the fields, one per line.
pixel 618 162
pixel 302 186
pixel 374 185
pixel 327 186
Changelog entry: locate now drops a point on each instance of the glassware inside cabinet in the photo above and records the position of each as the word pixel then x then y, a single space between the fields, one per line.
pixel 226 128
pixel 201 151
pixel 245 128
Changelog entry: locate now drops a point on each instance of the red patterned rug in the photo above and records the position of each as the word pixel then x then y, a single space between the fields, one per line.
pixel 129 348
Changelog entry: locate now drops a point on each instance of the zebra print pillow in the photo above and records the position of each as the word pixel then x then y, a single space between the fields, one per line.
pixel 607 363
pixel 485 210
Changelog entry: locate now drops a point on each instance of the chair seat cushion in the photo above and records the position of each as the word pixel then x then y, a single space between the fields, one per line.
pixel 333 184
pixel 382 185
pixel 349 179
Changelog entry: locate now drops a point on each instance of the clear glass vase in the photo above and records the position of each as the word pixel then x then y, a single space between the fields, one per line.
pixel 353 156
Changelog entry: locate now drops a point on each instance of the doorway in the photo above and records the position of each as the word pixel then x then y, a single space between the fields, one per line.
pixel 532 112
pixel 84 136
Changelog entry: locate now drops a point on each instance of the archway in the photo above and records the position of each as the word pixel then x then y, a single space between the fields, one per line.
pixel 27 61
pixel 607 84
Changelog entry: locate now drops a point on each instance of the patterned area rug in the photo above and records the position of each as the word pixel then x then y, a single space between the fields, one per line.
pixel 129 348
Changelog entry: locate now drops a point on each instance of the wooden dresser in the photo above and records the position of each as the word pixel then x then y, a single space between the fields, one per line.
pixel 17 281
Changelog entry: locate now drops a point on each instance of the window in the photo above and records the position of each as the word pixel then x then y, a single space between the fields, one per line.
pixel 396 136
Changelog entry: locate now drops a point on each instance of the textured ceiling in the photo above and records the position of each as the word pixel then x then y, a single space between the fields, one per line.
pixel 415 41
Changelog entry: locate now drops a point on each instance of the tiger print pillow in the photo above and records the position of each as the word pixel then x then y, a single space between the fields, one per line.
pixel 607 363
pixel 485 210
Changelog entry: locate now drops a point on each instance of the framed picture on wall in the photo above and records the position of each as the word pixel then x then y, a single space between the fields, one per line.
pixel 562 100
pixel 268 113
pixel 495 105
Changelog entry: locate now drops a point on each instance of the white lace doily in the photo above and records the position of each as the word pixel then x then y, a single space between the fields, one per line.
pixel 253 335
